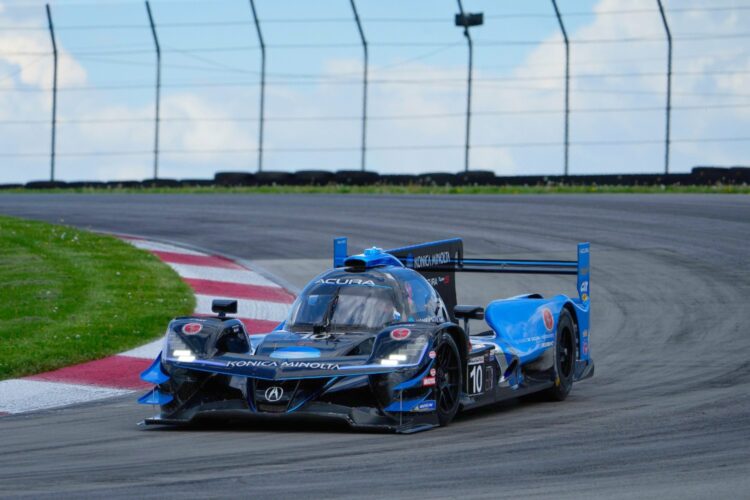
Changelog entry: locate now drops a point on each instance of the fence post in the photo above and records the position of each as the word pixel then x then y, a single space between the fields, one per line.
pixel 466 20
pixel 54 94
pixel 567 83
pixel 364 85
pixel 262 86
pixel 158 90
pixel 669 86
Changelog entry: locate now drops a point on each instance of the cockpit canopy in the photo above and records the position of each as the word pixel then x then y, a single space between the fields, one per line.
pixel 340 300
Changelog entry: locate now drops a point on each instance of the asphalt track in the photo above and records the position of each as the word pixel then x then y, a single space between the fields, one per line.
pixel 666 415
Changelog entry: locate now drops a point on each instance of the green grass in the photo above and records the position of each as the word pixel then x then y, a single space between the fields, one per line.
pixel 68 296
pixel 408 190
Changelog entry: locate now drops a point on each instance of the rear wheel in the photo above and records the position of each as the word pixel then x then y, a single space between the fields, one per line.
pixel 565 357
pixel 447 378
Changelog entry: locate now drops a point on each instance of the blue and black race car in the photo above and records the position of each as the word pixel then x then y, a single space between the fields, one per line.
pixel 380 342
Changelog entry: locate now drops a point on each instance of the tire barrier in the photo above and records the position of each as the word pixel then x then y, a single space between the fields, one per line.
pixel 45 184
pixel 438 179
pixel 87 185
pixel 124 184
pixel 699 176
pixel 711 175
pixel 476 178
pixel 313 178
pixel 196 182
pixel 740 175
pixel 272 178
pixel 398 179
pixel 161 183
pixel 356 178
pixel 527 180
pixel 234 179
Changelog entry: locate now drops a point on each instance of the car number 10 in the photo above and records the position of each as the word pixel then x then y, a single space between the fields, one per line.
pixel 475 379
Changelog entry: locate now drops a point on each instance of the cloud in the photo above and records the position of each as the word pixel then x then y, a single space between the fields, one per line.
pixel 28 58
pixel 512 108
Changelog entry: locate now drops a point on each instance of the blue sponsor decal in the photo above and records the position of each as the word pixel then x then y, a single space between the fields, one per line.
pixel 296 353
pixel 427 405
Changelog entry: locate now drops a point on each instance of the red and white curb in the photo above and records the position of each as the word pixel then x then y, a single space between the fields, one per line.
pixel 262 304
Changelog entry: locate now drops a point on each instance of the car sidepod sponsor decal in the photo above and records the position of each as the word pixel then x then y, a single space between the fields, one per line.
pixel 586 342
pixel 549 320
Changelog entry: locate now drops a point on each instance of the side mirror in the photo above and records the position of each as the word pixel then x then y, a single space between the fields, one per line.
pixel 222 307
pixel 468 312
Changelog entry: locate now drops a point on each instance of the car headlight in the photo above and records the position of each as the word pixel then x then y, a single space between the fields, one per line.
pixel 404 353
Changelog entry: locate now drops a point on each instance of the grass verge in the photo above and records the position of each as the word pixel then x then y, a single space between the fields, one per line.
pixel 406 190
pixel 70 296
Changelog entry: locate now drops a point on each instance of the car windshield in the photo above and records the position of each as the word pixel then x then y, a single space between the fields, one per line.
pixel 335 306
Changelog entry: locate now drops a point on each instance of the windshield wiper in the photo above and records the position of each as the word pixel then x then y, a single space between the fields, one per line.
pixel 332 309
pixel 326 325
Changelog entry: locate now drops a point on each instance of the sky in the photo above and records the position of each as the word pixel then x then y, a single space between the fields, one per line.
pixel 417 92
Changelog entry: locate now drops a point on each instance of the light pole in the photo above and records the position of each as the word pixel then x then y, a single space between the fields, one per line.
pixel 54 95
pixel 466 20
pixel 669 85
pixel 364 85
pixel 567 83
pixel 262 119
pixel 158 89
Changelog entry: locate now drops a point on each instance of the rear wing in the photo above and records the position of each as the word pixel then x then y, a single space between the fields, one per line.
pixel 432 260
pixel 438 261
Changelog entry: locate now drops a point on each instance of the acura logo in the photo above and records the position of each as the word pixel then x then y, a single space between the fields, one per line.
pixel 274 393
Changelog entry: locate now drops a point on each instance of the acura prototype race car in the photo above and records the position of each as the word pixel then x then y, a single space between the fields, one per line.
pixel 376 341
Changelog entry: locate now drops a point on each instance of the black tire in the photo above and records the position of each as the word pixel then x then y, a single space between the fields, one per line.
pixel 356 178
pixel 476 178
pixel 271 178
pixel 196 182
pixel 710 175
pixel 124 184
pixel 565 357
pixel 438 179
pixel 87 185
pixel 740 175
pixel 234 179
pixel 398 179
pixel 312 178
pixel 448 378
pixel 45 184
pixel 161 183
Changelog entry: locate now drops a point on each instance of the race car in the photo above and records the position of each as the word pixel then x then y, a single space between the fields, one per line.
pixel 380 342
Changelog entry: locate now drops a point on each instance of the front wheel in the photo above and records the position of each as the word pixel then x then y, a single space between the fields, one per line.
pixel 448 378
pixel 565 357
